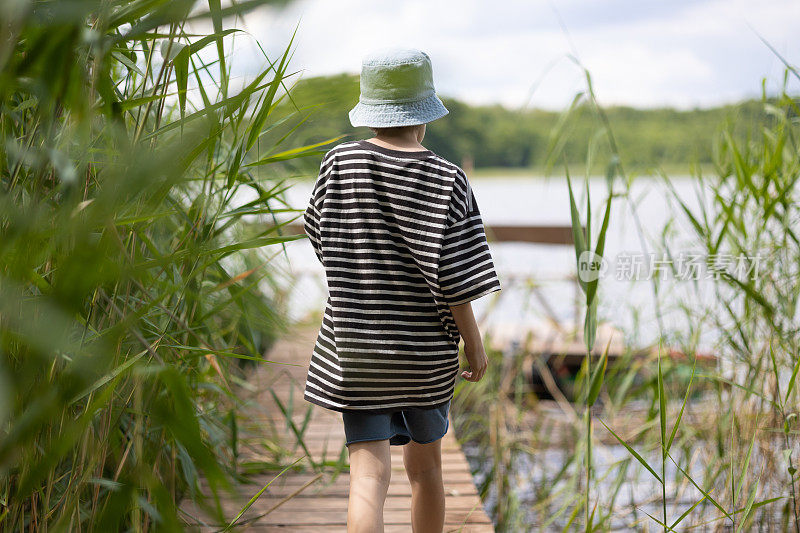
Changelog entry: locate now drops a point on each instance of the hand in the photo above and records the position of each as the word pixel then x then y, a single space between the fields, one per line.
pixel 478 362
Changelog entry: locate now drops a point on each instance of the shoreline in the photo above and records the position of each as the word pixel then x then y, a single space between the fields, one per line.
pixel 490 173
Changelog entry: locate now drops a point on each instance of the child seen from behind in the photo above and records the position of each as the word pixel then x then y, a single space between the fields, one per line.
pixel 399 234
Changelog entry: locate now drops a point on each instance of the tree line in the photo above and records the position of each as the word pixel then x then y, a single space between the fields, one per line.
pixel 497 138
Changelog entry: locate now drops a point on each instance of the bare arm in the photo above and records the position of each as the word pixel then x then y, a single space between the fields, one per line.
pixel 467 326
pixel 473 343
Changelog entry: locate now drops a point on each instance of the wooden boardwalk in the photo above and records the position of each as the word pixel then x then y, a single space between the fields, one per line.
pixel 319 495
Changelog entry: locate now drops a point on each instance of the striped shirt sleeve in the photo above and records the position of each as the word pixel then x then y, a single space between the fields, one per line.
pixel 312 213
pixel 466 270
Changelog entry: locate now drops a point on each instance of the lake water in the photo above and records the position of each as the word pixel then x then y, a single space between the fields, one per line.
pixel 626 303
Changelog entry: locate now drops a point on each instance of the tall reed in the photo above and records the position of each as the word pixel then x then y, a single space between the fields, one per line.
pixel 746 224
pixel 706 446
pixel 135 239
pixel 717 233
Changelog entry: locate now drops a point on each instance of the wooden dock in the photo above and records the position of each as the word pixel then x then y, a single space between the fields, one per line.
pixel 318 499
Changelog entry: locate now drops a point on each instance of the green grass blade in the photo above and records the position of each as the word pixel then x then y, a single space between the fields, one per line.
pixel 746 464
pixel 793 379
pixel 591 289
pixel 633 452
pixel 706 494
pixel 293 153
pixel 266 104
pixel 257 495
pixel 686 513
pixel 577 230
pixel 683 407
pixel 748 507
pixel 662 405
pixel 588 229
pixel 590 326
pixel 597 378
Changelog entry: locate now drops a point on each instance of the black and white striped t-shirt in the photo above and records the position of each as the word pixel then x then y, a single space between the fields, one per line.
pixel 400 237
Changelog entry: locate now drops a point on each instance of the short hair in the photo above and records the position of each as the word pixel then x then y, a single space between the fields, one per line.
pixel 393 129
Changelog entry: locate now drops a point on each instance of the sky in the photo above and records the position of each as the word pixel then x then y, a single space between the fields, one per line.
pixel 518 53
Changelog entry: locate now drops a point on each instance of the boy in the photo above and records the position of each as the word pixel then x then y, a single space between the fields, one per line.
pixel 400 236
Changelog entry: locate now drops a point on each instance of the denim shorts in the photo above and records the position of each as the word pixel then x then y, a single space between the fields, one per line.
pixel 400 427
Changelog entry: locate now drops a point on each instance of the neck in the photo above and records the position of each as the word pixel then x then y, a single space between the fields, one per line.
pixel 401 141
pixel 407 137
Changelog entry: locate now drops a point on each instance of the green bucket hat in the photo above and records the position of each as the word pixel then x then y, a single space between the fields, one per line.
pixel 396 90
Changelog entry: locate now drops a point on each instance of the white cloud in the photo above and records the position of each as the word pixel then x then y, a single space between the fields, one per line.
pixel 683 53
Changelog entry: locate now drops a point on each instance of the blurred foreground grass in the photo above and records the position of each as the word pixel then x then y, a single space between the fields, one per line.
pixel 135 242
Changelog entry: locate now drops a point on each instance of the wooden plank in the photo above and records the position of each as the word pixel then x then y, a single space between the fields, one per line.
pixel 534 234
pixel 339 516
pixel 343 479
pixel 308 490
pixel 394 502
pixel 540 234
pixel 390 528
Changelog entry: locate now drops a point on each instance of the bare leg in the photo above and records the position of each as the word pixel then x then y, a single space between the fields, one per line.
pixel 370 472
pixel 424 468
